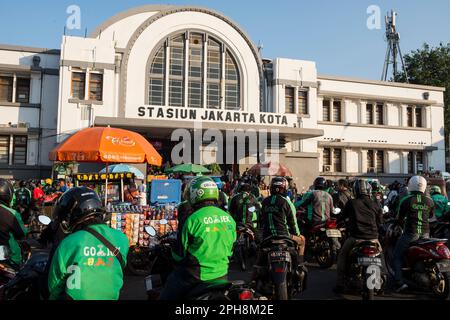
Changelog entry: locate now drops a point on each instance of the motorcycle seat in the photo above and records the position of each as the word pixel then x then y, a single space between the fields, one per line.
pixel 209 286
pixel 426 241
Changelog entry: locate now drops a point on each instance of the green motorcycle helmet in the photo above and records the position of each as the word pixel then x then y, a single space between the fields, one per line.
pixel 203 189
pixel 435 189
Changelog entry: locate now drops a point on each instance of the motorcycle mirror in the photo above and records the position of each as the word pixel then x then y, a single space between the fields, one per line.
pixel 163 221
pixel 226 207
pixel 337 210
pixel 44 220
pixel 150 230
pixel 252 209
pixel 384 197
pixel 385 209
pixel 448 203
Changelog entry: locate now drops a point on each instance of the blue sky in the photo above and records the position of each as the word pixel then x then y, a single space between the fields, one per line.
pixel 332 33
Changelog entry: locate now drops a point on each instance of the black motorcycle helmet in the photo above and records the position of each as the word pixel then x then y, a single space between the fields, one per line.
pixel 244 186
pixel 76 206
pixel 362 188
pixel 320 183
pixel 6 192
pixel 279 185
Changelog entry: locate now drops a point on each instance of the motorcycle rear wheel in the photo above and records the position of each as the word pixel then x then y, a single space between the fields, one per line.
pixel 441 290
pixel 324 255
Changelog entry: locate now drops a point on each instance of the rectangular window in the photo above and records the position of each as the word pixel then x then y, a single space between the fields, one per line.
pixel 419 162
pixel 370 160
pixel 337 111
pixel 23 90
pixel 409 116
pixel 380 161
pixel 156 93
pixel 176 93
pixel 195 94
pixel 213 96
pixel 20 150
pixel 369 113
pixel 337 160
pixel 232 96
pixel 177 61
pixel 410 163
pixel 213 64
pixel 96 86
pixel 326 110
pixel 78 85
pixel 302 99
pixel 289 100
pixel 195 62
pixel 418 117
pixel 379 114
pixel 6 88
pixel 326 156
pixel 4 149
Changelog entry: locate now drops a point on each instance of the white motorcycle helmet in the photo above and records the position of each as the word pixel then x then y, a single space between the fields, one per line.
pixel 417 184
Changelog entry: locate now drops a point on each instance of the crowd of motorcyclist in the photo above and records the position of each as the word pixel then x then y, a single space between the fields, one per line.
pixel 83 244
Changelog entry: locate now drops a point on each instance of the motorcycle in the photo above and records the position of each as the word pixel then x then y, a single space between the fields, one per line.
pixel 364 270
pixel 426 264
pixel 278 277
pixel 162 265
pixel 245 242
pixel 323 242
pixel 24 282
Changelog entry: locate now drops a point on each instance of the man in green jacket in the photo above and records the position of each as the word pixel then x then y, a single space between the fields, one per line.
pixel 11 225
pixel 88 264
pixel 204 245
pixel 440 201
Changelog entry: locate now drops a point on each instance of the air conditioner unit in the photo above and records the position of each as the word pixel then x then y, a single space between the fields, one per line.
pixel 326 168
pixel 22 125
pixel 371 170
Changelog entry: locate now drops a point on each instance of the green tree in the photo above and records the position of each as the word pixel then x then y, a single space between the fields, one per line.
pixel 431 66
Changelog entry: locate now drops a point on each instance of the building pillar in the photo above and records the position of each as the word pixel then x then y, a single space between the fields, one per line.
pixel 346 161
pixel 404 116
pixel 362 112
pixel 404 162
pixel 363 161
pixel 332 159
pixel 413 115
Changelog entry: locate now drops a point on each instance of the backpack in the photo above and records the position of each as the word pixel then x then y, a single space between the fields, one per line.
pixel 23 197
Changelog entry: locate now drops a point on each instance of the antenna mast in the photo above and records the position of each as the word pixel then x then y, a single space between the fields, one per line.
pixel 393 48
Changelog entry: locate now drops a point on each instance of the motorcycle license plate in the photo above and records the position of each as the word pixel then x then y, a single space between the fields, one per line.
pixel 369 261
pixel 333 233
pixel 276 256
pixel 443 266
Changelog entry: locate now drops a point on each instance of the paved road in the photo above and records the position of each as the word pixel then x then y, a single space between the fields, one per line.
pixel 320 285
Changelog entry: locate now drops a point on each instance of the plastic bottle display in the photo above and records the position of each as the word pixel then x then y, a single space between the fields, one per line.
pixel 131 220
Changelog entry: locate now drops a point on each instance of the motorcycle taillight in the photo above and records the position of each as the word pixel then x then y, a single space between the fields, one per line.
pixel 368 251
pixel 442 250
pixel 246 295
pixel 331 224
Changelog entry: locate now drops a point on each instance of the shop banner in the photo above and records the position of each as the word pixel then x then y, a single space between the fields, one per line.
pixel 102 176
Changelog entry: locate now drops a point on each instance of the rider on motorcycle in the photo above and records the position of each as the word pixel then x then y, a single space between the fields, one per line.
pixel 440 201
pixel 318 204
pixel 415 209
pixel 239 205
pixel 364 217
pixel 11 225
pixel 22 202
pixel 88 264
pixel 278 216
pixel 343 194
pixel 205 242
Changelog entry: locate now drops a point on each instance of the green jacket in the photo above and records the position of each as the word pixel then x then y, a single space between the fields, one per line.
pixel 441 206
pixel 205 243
pixel 16 252
pixel 84 269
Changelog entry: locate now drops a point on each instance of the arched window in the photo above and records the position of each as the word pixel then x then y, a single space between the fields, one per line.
pixel 196 70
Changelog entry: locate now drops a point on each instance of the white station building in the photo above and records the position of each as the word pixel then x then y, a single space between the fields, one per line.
pixel 155 69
